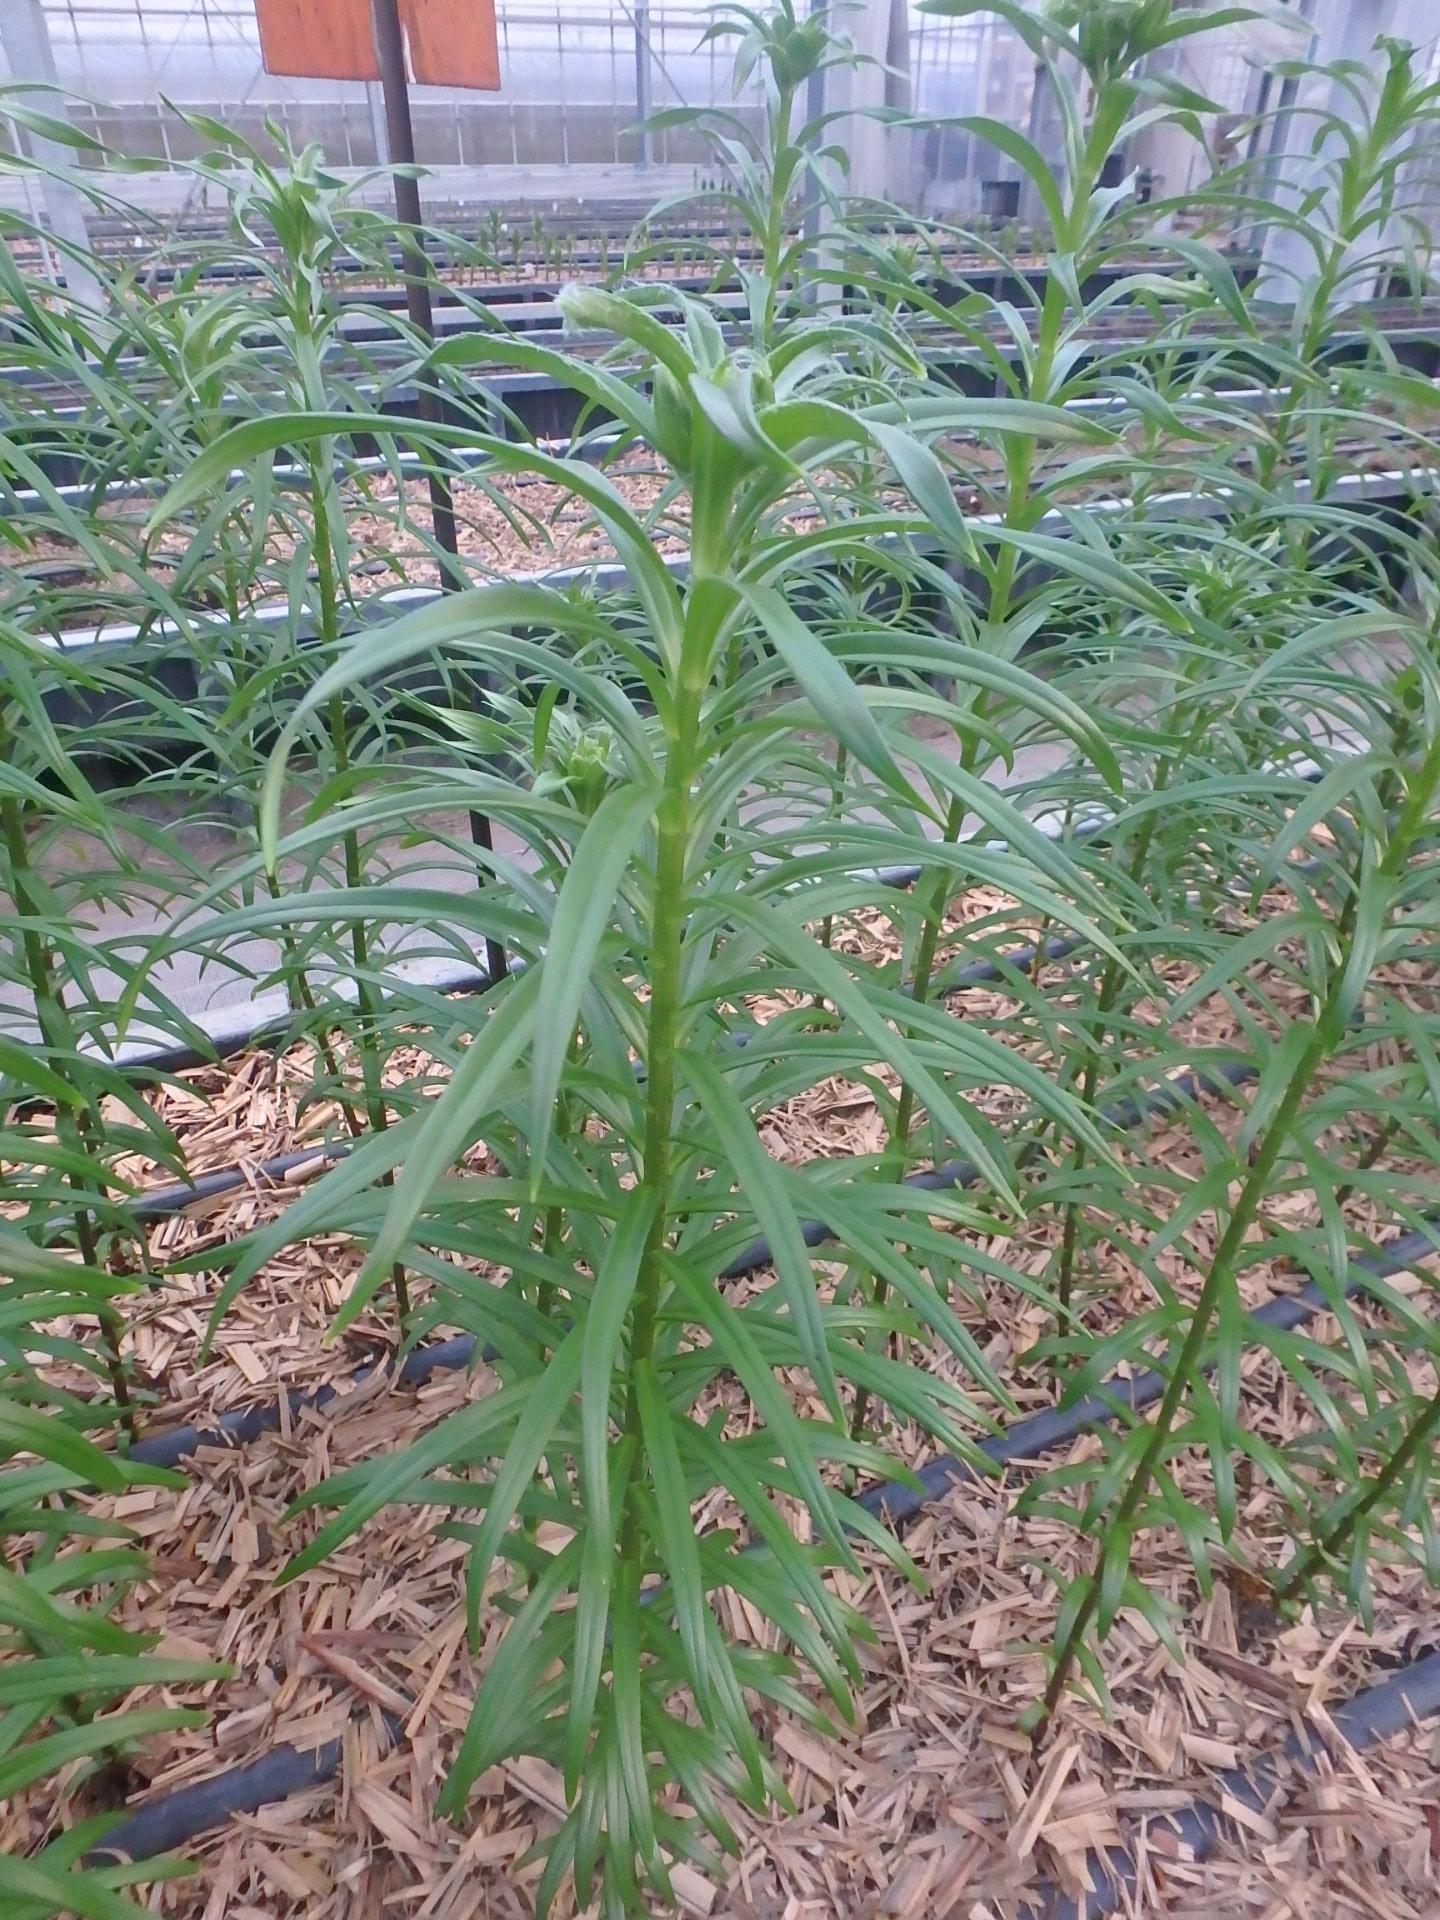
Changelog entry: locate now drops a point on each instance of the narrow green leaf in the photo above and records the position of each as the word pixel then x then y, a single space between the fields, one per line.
pixel 447 1126
pixel 533 1434
pixel 582 913
pixel 761 1183
pixel 829 689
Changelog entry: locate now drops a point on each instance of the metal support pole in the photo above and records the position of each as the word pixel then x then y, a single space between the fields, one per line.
pixel 26 41
pixel 400 140
pixel 1044 134
pixel 1340 30
pixel 375 102
pixel 870 143
pixel 642 83
pixel 812 219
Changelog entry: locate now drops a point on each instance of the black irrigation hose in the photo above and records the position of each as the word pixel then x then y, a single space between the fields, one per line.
pixel 898 1501
pixel 245 1424
pixel 1127 1113
pixel 159 1205
pixel 164 1202
pixel 1398 1701
pixel 176 1819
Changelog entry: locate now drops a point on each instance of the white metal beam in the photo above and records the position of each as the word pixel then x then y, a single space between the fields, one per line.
pixel 379 133
pixel 879 154
pixel 641 18
pixel 25 40
pixel 1339 30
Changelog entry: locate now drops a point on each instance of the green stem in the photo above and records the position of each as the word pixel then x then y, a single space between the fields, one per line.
pixel 668 924
pixel 667 917
pixel 366 1032
pixel 1220 1275
pixel 552 1237
pixel 1324 1550
pixel 1369 1157
pixel 62 1043
pixel 1328 1031
pixel 897 1146
pixel 1020 456
pixel 827 929
pixel 773 236
pixel 297 986
pixel 301 999
pixel 1110 985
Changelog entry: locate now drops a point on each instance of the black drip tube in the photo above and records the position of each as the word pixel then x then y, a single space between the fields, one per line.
pixel 245 1424
pixel 175 1819
pixel 150 1208
pixel 1398 1701
pixel 163 1202
pixel 897 1501
pixel 1127 1113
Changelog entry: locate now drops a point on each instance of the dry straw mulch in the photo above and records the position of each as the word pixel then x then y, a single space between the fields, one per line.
pixel 932 1804
pixel 510 524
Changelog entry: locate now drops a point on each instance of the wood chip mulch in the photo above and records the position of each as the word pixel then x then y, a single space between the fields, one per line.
pixel 932 1804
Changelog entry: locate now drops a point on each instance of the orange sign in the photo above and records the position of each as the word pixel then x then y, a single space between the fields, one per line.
pixel 452 43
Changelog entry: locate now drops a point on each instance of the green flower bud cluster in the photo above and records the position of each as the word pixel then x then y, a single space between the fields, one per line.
pixel 1112 35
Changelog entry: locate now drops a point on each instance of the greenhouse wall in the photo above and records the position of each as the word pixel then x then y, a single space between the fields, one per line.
pixel 569 77
pixel 569 88
pixel 567 97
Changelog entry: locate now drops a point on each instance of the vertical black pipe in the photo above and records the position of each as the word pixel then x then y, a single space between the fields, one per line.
pixel 400 139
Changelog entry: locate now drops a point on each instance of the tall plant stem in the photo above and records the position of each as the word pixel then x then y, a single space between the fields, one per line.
pixel 1104 1004
pixel 367 1025
pixel 1326 1034
pixel 827 929
pixel 1364 159
pixel 1220 1275
pixel 58 1032
pixel 667 919
pixel 302 1000
pixel 774 235
pixel 1020 461
pixel 1020 454
pixel 297 985
pixel 1307 1564
pixel 1370 1157
pixel 897 1145
pixel 552 1236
